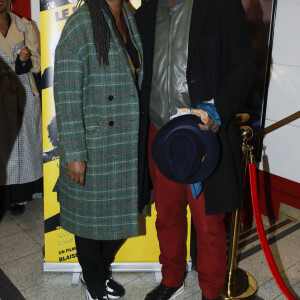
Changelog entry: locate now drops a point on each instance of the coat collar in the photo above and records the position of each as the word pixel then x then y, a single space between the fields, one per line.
pixel 131 22
pixel 146 17
pixel 137 40
pixel 12 38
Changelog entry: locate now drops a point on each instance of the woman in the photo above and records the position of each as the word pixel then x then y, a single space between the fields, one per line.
pixel 20 112
pixel 98 72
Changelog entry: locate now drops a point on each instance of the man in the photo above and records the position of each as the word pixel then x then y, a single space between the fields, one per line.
pixel 195 52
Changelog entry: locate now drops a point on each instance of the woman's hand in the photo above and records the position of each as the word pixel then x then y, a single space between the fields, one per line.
pixel 24 54
pixel 76 171
pixel 210 125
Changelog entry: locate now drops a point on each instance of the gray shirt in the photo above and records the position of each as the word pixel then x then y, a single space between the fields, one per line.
pixel 169 89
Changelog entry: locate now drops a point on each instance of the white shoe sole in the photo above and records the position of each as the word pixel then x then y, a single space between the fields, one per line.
pixel 113 297
pixel 179 291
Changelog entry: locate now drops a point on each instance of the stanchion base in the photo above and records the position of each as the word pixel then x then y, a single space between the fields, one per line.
pixel 244 287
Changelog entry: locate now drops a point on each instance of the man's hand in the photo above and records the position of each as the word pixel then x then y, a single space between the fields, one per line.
pixel 76 171
pixel 210 125
pixel 25 53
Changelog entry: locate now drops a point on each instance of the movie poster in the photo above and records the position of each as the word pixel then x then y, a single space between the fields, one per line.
pixel 60 244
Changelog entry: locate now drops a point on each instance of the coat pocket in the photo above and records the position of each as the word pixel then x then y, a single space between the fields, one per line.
pixel 93 131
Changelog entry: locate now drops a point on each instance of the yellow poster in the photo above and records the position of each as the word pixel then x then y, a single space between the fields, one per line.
pixel 59 244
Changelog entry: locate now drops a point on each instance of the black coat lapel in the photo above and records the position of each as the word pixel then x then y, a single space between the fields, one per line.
pixel 146 20
pixel 197 19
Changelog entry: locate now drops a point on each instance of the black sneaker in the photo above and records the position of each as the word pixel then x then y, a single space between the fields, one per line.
pixel 17 209
pixel 163 292
pixel 114 289
pixel 91 296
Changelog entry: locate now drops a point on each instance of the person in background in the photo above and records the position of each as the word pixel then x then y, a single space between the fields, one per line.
pixel 197 55
pixel 21 157
pixel 97 77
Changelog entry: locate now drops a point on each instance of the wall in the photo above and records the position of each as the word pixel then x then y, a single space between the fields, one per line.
pixel 35 12
pixel 282 146
pixel 22 8
pixel 279 176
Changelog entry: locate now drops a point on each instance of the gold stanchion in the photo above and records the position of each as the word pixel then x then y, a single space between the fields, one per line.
pixel 240 284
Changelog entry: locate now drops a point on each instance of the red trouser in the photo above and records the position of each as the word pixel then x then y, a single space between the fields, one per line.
pixel 171 200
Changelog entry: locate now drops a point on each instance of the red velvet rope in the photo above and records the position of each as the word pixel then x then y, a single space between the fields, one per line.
pixel 262 235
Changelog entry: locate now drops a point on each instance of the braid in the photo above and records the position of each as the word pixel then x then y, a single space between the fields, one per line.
pixel 100 28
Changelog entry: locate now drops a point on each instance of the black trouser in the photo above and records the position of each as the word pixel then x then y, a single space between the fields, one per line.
pixel 95 258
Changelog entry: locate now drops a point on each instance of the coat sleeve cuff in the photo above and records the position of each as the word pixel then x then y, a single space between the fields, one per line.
pixel 71 156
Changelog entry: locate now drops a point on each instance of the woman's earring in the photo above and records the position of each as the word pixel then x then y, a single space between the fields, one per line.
pixel 11 6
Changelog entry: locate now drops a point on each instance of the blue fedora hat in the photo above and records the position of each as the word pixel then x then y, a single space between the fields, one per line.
pixel 183 152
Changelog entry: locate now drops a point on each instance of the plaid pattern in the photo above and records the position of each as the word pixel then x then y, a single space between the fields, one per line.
pixel 98 120
pixel 20 124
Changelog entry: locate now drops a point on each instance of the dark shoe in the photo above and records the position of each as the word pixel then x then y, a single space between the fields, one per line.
pixel 17 209
pixel 163 292
pixel 114 289
pixel 91 296
pixel 204 298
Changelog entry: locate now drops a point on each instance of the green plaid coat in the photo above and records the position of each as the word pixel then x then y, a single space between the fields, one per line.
pixel 97 112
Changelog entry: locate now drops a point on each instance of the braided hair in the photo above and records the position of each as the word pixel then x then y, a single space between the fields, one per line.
pixel 100 28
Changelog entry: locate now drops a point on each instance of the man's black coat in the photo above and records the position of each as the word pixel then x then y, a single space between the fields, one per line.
pixel 220 67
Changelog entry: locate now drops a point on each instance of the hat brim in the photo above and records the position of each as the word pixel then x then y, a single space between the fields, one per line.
pixel 207 138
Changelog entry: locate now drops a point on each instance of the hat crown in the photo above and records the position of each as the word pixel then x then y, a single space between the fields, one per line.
pixel 179 147
pixel 183 146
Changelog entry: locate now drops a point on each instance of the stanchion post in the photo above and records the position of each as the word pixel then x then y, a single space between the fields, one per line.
pixel 240 284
